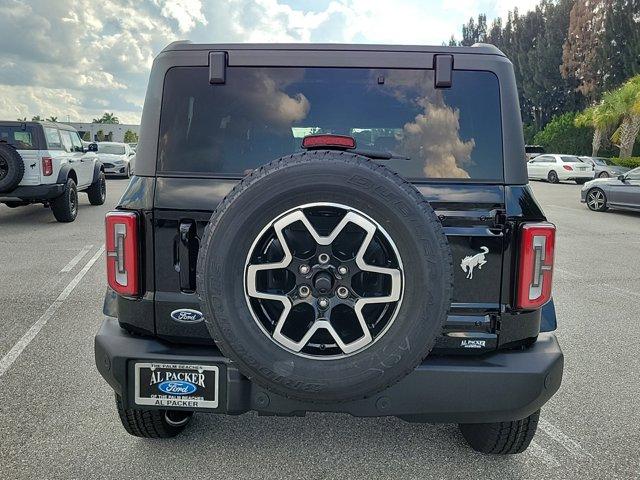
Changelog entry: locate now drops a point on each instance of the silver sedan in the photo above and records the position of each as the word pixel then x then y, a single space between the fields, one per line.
pixel 622 192
pixel 604 167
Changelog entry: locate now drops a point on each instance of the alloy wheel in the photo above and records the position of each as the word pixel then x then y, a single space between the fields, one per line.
pixel 324 280
pixel 596 200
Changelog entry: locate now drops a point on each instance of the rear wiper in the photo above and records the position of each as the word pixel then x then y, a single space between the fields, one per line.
pixel 374 155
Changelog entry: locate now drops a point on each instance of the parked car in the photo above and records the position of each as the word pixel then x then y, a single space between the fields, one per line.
pixel 622 192
pixel 116 158
pixel 44 162
pixel 604 167
pixel 323 280
pixel 555 168
pixel 532 151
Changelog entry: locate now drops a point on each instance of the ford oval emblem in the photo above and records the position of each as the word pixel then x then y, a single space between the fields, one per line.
pixel 177 387
pixel 187 315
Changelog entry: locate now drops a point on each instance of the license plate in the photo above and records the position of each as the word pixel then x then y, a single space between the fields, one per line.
pixel 177 385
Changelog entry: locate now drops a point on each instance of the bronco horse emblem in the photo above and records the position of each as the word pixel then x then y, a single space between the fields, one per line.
pixel 469 262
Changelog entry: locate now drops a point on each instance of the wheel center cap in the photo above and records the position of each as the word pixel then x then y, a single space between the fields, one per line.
pixel 323 281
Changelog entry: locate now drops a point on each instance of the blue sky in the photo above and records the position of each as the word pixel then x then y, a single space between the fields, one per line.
pixel 79 58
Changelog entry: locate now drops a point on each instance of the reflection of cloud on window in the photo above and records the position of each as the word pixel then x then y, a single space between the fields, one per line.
pixel 263 97
pixel 434 138
pixel 434 135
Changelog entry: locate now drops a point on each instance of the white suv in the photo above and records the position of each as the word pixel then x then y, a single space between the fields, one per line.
pixel 42 162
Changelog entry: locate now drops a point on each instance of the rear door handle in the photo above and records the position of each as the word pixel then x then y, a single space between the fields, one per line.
pixel 187 253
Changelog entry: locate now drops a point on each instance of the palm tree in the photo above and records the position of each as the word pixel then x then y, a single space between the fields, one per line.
pixel 36 118
pixel 23 119
pixel 52 119
pixel 107 118
pixel 602 118
pixel 618 111
pixel 627 104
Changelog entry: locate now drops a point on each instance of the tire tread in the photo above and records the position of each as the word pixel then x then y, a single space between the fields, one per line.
pixel 293 160
pixel 501 438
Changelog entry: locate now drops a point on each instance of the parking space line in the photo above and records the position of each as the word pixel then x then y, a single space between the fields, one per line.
pixel 536 450
pixel 18 348
pixel 74 261
pixel 569 444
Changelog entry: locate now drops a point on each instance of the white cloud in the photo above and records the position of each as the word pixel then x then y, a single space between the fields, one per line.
pixel 82 57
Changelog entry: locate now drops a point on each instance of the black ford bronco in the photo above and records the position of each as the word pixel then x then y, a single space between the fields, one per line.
pixel 331 228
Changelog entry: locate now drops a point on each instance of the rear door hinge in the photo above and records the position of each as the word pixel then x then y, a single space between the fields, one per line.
pixel 443 66
pixel 217 67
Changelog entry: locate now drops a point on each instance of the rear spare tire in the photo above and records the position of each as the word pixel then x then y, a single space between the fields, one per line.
pixel 11 168
pixel 324 276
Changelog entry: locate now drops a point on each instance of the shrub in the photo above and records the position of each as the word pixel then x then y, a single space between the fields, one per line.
pixel 561 135
pixel 630 162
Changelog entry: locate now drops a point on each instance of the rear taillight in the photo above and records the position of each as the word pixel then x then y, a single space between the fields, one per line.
pixel 568 167
pixel 122 252
pixel 47 166
pixel 535 268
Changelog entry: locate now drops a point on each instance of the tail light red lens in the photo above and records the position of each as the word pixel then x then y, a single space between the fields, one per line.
pixel 568 167
pixel 47 166
pixel 535 269
pixel 324 141
pixel 122 252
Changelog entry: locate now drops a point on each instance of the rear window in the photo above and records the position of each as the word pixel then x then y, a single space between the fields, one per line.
pixel 53 138
pixel 260 114
pixel 570 159
pixel 18 137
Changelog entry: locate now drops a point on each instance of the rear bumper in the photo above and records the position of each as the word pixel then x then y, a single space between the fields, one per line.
pixel 33 193
pixel 495 387
pixel 564 175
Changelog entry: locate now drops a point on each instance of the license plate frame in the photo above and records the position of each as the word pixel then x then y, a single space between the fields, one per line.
pixel 203 380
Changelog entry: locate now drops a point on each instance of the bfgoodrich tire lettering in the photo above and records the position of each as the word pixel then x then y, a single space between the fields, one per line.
pixel 343 179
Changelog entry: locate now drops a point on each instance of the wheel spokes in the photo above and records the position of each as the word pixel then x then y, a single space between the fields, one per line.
pixel 322 320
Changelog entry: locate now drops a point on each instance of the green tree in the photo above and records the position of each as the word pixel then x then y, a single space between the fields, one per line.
pixel 130 137
pixel 100 135
pixel 86 136
pixel 473 32
pixel 52 119
pixel 626 101
pixel 579 52
pixel 36 118
pixel 23 119
pixel 106 118
pixel 619 46
pixel 529 130
pixel 561 135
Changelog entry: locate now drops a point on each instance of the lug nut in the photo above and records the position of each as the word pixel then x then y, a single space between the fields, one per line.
pixel 323 258
pixel 304 291
pixel 342 270
pixel 304 269
pixel 323 302
pixel 342 292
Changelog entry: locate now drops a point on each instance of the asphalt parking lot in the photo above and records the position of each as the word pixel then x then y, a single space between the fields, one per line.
pixel 59 419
